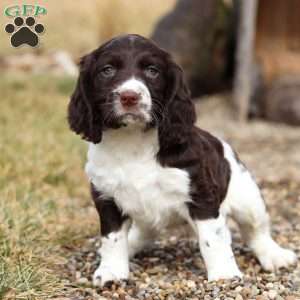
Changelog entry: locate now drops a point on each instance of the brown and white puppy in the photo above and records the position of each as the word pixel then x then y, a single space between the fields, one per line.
pixel 149 165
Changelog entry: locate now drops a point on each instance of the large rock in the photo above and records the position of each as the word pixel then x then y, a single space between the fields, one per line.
pixel 281 101
pixel 200 34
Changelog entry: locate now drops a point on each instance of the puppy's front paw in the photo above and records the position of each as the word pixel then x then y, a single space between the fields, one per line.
pixel 224 273
pixel 105 274
pixel 276 257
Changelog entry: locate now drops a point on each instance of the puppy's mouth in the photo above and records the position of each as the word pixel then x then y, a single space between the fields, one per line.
pixel 129 115
pixel 133 117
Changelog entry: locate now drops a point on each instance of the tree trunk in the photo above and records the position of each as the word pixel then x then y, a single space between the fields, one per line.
pixel 242 91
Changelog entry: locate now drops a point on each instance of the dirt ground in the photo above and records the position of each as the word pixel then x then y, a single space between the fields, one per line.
pixel 173 269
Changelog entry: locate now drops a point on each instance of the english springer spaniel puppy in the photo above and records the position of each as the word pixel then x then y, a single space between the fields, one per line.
pixel 150 166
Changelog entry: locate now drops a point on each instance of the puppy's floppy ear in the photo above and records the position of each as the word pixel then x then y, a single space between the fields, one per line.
pixel 181 109
pixel 180 113
pixel 84 115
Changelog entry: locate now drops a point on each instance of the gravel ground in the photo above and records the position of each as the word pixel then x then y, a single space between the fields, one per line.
pixel 173 269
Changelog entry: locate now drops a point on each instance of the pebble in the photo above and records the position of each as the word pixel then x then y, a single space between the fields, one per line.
pixel 269 285
pixel 261 297
pixel 272 294
pixel 82 280
pixel 246 292
pixel 191 284
pixel 174 270
pixel 154 270
pixel 239 297
pixel 254 290
pixel 238 289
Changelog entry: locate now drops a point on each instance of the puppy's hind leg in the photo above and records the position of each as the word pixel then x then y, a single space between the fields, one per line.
pixel 138 238
pixel 245 204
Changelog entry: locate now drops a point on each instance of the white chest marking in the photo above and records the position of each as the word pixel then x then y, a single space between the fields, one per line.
pixel 124 166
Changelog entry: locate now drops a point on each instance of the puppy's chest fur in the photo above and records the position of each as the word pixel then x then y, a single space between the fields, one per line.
pixel 124 166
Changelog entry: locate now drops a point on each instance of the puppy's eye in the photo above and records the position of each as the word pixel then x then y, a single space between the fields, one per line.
pixel 151 72
pixel 108 71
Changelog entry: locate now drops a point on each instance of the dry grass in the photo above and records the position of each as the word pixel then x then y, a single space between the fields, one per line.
pixel 44 202
pixel 43 192
pixel 81 26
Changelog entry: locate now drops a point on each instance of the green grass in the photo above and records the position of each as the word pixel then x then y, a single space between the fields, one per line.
pixel 43 191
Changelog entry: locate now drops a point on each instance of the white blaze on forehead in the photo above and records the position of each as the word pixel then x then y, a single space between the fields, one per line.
pixel 137 86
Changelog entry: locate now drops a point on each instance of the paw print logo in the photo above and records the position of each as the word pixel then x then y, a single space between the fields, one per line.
pixel 24 32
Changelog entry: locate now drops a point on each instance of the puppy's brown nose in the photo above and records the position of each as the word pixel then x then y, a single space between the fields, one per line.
pixel 129 98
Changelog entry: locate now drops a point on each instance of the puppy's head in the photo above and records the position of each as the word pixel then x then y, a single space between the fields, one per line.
pixel 129 81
